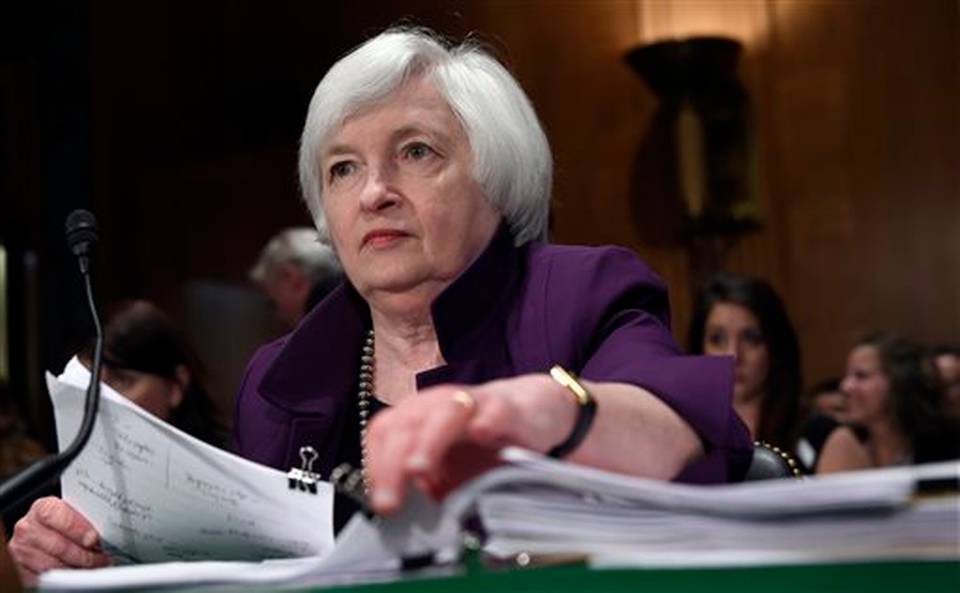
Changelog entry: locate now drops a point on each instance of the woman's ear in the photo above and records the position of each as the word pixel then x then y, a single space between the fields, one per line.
pixel 180 384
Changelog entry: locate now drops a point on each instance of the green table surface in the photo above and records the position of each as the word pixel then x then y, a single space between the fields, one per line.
pixel 875 577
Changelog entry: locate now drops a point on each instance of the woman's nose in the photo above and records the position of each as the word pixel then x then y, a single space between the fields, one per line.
pixel 733 348
pixel 378 192
pixel 845 385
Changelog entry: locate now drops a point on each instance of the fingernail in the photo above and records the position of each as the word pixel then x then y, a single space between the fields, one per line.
pixel 89 539
pixel 418 462
pixel 384 497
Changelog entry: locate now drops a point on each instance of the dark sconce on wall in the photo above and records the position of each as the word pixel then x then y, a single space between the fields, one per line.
pixel 698 153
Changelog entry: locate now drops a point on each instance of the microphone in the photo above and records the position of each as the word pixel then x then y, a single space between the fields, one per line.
pixel 81 231
pixel 81 237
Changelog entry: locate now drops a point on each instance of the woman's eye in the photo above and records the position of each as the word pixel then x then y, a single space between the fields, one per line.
pixel 341 169
pixel 717 340
pixel 417 151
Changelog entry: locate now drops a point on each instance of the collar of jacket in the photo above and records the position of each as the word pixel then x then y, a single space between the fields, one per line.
pixel 317 367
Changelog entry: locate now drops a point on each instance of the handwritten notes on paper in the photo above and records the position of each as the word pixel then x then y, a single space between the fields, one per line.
pixel 156 494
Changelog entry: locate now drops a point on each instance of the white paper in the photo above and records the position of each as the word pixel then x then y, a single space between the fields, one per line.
pixel 874 489
pixel 156 494
pixel 366 551
pixel 268 572
pixel 518 523
pixel 538 506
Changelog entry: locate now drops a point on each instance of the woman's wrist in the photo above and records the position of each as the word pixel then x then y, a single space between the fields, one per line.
pixel 586 411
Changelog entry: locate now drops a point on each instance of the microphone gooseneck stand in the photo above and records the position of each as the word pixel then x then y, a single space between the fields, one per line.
pixel 81 237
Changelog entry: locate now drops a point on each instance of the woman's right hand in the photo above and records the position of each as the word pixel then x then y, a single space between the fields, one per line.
pixel 54 535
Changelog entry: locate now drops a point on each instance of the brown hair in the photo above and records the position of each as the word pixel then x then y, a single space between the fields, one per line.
pixel 141 337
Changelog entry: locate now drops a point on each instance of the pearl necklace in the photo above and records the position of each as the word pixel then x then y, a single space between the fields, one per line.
pixel 365 395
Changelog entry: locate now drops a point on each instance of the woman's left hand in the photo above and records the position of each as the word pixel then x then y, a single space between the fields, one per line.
pixel 448 434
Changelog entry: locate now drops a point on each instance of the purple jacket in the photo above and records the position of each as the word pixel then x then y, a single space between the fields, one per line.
pixel 599 312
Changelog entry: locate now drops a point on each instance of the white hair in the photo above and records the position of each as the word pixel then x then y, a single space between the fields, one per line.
pixel 511 156
pixel 301 247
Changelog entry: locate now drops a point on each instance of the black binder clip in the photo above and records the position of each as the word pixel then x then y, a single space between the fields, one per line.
pixel 304 478
pixel 350 482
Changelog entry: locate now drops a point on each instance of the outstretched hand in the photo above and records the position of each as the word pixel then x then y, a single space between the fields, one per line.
pixel 448 434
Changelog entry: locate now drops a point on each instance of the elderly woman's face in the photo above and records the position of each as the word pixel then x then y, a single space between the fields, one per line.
pixel 403 209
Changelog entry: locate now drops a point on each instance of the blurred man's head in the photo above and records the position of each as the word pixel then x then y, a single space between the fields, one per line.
pixel 295 271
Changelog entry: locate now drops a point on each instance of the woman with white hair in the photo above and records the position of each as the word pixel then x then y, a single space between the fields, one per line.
pixel 426 169
pixel 457 331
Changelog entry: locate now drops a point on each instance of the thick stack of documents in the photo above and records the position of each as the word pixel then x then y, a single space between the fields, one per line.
pixel 541 507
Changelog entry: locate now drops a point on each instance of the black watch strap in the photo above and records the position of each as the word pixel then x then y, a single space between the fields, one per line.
pixel 586 410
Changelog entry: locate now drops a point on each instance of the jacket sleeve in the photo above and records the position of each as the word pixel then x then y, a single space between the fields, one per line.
pixel 621 333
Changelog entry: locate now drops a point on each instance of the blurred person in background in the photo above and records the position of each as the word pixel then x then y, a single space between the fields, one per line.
pixel 17 449
pixel 743 317
pixel 145 359
pixel 295 272
pixel 893 393
pixel 828 399
pixel 947 361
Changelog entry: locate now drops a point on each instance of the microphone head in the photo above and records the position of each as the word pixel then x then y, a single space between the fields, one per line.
pixel 81 232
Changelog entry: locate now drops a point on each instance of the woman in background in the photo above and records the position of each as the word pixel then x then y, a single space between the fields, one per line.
pixel 146 359
pixel 892 392
pixel 946 359
pixel 744 317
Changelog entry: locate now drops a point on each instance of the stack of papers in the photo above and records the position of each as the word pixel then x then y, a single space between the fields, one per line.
pixel 541 507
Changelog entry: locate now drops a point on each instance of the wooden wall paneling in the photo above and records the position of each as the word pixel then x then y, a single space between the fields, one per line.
pixel 866 172
pixel 748 21
pixel 907 167
pixel 808 97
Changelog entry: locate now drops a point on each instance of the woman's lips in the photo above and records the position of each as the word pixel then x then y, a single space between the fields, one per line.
pixel 383 237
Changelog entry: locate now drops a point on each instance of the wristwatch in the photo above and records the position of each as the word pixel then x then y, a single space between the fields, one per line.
pixel 586 410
